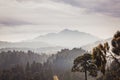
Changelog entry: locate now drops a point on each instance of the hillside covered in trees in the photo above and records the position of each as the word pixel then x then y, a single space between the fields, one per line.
pixel 11 58
pixel 18 65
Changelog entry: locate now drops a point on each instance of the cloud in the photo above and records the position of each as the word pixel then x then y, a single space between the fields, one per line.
pixel 13 22
pixel 35 17
pixel 107 7
pixel 42 13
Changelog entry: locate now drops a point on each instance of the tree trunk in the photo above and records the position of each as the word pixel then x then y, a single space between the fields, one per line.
pixel 85 74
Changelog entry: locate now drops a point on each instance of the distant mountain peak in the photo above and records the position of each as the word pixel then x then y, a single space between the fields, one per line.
pixel 65 30
pixel 67 38
pixel 69 31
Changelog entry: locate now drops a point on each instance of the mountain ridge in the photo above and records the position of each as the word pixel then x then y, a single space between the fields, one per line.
pixel 63 39
pixel 66 38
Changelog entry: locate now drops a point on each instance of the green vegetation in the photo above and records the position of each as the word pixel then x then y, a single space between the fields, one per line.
pixel 84 63
pixel 19 65
pixel 99 57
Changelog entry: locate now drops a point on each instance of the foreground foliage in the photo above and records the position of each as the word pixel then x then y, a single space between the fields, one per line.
pixel 100 55
pixel 84 63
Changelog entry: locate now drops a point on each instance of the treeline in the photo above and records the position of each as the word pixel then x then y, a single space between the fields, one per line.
pixel 9 59
pixel 18 65
pixel 34 71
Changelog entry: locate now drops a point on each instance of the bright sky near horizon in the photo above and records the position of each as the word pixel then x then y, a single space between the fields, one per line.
pixel 26 19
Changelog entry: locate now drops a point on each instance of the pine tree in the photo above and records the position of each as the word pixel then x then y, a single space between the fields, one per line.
pixel 84 64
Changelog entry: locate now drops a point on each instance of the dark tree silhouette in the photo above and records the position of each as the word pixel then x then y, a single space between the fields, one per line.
pixel 84 63
pixel 116 43
pixel 100 56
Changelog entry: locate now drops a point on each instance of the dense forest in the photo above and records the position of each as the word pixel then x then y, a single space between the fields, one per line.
pixel 9 59
pixel 19 65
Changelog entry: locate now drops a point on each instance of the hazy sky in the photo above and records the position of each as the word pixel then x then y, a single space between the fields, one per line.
pixel 26 19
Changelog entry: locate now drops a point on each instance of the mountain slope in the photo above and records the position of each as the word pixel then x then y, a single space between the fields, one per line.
pixel 51 42
pixel 67 38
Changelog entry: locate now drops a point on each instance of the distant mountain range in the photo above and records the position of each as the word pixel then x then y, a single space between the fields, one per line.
pixel 26 44
pixel 63 39
pixel 67 38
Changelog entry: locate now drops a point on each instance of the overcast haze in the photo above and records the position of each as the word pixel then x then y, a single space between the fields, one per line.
pixel 26 19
